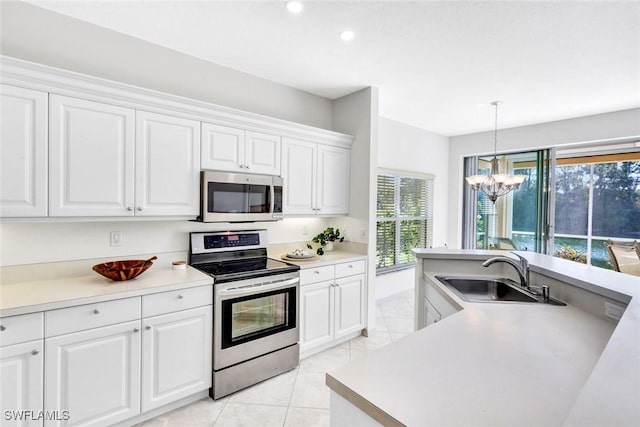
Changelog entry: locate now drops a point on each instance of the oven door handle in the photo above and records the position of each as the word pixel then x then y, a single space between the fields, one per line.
pixel 249 290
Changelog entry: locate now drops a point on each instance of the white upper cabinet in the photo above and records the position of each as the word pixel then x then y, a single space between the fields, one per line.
pixel 235 150
pixel 23 152
pixel 333 180
pixel 299 171
pixel 91 163
pixel 316 178
pixel 107 160
pixel 167 165
pixel 262 153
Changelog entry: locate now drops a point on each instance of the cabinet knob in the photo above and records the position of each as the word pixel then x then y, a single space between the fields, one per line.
pixel 3 328
pixel 35 352
pixel 318 209
pixel 96 311
pixel 147 327
pixel 350 265
pixel 180 296
pixel 136 330
pixel 317 272
pixel 246 166
pixel 129 208
pixel 139 208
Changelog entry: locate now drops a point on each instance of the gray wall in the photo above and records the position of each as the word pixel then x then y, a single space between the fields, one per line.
pixel 38 35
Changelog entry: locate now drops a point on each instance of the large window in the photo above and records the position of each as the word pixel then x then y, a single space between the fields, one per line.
pixel 597 198
pixel 404 218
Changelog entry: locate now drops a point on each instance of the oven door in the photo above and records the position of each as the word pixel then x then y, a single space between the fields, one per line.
pixel 254 317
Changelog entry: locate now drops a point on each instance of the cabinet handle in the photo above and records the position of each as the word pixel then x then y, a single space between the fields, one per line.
pixel 180 296
pixel 3 328
pixel 35 352
pixel 136 330
pixel 147 327
pixel 129 208
pixel 96 311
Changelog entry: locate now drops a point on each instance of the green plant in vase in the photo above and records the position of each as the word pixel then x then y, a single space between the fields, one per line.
pixel 326 239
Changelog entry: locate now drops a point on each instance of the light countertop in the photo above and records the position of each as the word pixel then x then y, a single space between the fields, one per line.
pixel 326 259
pixel 47 294
pixel 509 364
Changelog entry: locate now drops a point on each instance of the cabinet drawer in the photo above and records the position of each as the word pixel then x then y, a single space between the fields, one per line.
pixel 183 299
pixel 17 329
pixel 350 268
pixel 89 316
pixel 316 274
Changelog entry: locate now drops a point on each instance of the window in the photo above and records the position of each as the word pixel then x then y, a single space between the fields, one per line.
pixel 602 193
pixel 404 218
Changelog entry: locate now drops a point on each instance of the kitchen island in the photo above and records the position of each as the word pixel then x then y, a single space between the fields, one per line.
pixel 510 364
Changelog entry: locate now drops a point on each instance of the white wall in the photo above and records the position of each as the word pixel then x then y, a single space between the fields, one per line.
pixel 408 148
pixel 600 127
pixel 40 242
pixel 39 35
pixel 357 114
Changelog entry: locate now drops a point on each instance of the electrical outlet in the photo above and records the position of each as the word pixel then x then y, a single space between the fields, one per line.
pixel 363 233
pixel 305 230
pixel 116 238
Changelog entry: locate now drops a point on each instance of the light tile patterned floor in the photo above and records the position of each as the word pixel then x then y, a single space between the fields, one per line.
pixel 299 397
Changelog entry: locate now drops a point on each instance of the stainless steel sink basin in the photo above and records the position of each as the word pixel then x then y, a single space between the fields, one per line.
pixel 486 290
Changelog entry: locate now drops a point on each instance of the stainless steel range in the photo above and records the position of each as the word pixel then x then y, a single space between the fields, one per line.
pixel 255 308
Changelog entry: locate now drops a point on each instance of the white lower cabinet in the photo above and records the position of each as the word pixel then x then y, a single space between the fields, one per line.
pixel 21 375
pixel 176 357
pixel 111 361
pixel 21 369
pixel 331 310
pixel 94 375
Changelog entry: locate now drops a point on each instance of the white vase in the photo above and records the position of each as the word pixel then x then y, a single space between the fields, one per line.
pixel 328 247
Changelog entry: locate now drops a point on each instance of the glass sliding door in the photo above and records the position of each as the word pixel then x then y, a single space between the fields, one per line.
pixel 518 220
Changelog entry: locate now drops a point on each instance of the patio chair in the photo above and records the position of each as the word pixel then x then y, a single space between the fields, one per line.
pixel 625 258
pixel 502 243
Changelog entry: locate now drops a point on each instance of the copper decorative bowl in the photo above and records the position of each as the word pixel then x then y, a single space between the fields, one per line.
pixel 123 270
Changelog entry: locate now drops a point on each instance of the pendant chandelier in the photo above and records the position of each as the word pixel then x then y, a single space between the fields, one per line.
pixel 495 184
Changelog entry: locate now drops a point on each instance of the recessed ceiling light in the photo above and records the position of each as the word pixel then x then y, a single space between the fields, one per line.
pixel 293 6
pixel 347 35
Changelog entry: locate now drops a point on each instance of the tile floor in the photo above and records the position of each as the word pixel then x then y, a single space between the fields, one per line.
pixel 299 397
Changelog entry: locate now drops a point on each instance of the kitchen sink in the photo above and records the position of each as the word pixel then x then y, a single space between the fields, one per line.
pixel 487 290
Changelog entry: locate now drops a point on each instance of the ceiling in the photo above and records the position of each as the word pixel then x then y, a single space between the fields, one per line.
pixel 438 65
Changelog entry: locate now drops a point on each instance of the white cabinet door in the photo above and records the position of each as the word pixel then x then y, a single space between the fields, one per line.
pixel 262 153
pixel 222 148
pixel 94 374
pixel 349 305
pixel 176 356
pixel 91 158
pixel 317 315
pixel 167 166
pixel 299 173
pixel 21 376
pixel 333 180
pixel 23 152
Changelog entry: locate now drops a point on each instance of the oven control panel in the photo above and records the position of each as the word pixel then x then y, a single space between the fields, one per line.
pixel 234 240
pixel 228 240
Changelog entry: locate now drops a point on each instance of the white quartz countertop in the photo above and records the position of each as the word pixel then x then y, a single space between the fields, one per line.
pixel 509 364
pixel 326 259
pixel 47 294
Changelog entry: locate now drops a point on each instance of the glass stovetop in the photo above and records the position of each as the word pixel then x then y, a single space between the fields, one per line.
pixel 245 268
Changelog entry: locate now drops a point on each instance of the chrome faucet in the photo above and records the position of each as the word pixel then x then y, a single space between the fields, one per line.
pixel 521 266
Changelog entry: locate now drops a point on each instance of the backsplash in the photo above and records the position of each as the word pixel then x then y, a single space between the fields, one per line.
pixel 44 242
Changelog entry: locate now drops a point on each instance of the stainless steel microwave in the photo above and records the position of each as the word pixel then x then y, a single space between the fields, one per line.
pixel 239 197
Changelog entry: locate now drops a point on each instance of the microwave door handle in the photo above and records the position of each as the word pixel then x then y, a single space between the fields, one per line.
pixel 249 290
pixel 272 190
